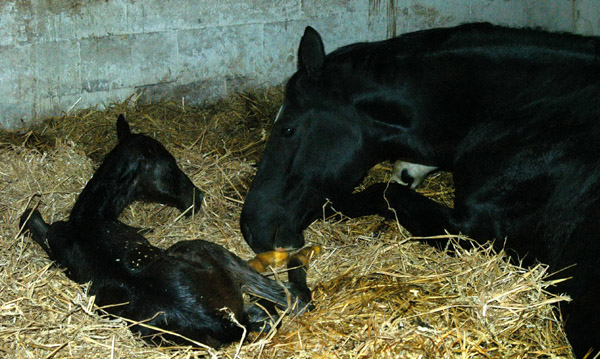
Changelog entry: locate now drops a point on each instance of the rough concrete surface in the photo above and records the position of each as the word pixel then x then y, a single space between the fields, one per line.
pixel 55 54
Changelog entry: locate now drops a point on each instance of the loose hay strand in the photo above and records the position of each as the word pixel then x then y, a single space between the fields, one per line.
pixel 377 291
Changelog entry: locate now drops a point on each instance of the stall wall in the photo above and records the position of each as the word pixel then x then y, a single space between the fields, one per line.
pixel 58 55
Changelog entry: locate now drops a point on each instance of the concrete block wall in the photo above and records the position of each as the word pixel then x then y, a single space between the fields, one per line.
pixel 56 55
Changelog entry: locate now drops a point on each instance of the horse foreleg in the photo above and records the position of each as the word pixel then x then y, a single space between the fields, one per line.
pixel 420 215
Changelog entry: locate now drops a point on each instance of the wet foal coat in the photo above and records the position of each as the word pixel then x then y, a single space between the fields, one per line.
pixel 190 288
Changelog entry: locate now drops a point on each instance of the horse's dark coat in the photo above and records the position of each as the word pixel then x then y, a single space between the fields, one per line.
pixel 513 114
pixel 181 289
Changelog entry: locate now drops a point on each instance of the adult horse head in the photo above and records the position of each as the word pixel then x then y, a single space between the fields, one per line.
pixel 321 145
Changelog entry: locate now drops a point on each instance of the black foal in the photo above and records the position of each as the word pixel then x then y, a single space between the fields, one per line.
pixel 191 289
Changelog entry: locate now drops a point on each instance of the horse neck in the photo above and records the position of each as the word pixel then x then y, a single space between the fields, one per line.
pixel 105 196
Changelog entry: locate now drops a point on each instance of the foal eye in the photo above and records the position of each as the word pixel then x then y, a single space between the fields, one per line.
pixel 287 131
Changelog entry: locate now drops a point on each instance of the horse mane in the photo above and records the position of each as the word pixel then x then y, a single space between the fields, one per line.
pixel 483 39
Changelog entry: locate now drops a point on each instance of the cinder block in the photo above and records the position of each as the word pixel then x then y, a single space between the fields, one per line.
pixel 100 18
pixel 379 15
pixel 342 29
pixel 240 83
pixel 318 8
pixel 57 68
pixel 425 15
pixel 55 105
pixel 236 12
pixel 220 51
pixel 587 17
pixel 13 22
pixel 155 58
pixel 116 62
pixel 17 73
pixel 54 21
pixel 101 98
pixel 45 20
pixel 180 15
pixel 378 28
pixel 194 92
pixel 32 21
pixel 15 115
pixel 553 16
pixel 281 40
pixel 54 52
pixel 106 63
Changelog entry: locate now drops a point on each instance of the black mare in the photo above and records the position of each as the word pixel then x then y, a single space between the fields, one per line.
pixel 182 289
pixel 514 114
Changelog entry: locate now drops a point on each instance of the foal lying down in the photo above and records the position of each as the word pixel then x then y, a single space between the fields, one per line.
pixel 192 289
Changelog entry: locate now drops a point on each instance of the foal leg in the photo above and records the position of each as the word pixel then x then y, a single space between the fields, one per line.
pixel 242 273
pixel 296 265
pixel 262 312
pixel 262 261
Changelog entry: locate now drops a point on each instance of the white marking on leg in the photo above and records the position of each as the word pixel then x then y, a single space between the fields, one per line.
pixel 415 171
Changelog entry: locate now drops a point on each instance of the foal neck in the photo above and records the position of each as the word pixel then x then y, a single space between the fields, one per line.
pixel 111 189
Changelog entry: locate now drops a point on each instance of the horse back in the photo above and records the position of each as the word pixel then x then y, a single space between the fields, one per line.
pixel 473 39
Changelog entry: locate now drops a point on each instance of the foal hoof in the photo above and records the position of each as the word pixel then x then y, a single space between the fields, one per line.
pixel 308 254
pixel 262 261
pixel 275 259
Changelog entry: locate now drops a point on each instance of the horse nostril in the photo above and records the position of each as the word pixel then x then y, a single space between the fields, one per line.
pixel 247 233
pixel 193 206
pixel 198 200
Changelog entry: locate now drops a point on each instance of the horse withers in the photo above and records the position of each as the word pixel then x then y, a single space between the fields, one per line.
pixel 514 114
pixel 191 290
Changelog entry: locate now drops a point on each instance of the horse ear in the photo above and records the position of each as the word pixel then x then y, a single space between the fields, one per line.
pixel 123 130
pixel 311 53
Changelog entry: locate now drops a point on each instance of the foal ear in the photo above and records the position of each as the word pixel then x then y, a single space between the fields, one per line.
pixel 311 53
pixel 123 130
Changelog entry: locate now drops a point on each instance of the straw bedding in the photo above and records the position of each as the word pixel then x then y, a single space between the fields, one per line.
pixel 378 292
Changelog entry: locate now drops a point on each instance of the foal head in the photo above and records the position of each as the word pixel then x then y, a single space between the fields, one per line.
pixel 138 168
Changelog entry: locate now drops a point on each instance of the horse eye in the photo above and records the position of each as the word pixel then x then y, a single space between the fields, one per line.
pixel 287 131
